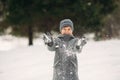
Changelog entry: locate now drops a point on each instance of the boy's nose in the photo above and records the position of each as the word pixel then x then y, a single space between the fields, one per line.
pixel 66 31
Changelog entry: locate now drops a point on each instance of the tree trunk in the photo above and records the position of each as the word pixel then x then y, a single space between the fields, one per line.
pixel 30 35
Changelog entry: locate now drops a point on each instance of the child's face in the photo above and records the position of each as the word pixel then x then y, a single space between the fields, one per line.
pixel 66 30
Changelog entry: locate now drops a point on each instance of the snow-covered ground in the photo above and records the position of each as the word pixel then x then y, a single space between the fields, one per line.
pixel 98 60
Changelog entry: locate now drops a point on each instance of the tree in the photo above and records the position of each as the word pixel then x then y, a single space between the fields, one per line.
pixel 20 13
pixel 87 15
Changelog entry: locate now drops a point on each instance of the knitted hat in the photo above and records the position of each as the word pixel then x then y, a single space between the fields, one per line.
pixel 66 22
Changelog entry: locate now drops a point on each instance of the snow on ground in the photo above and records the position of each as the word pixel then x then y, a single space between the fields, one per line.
pixel 98 60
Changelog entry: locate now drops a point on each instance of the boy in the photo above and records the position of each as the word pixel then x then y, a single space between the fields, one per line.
pixel 65 46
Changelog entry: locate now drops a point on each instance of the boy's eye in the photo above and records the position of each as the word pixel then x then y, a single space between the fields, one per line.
pixel 64 29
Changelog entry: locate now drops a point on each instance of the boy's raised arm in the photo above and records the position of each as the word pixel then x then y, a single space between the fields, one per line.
pixel 81 42
pixel 49 41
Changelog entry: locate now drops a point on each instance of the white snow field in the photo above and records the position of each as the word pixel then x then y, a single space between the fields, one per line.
pixel 98 60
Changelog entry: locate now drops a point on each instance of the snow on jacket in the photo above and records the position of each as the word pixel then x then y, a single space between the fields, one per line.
pixel 65 60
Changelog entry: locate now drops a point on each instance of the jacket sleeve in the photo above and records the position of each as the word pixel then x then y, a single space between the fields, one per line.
pixel 53 46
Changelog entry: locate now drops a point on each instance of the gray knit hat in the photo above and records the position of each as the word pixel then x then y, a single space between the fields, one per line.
pixel 66 22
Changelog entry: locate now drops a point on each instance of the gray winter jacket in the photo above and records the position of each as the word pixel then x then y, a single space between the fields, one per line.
pixel 65 61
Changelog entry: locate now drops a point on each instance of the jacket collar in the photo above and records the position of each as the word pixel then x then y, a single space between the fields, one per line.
pixel 66 37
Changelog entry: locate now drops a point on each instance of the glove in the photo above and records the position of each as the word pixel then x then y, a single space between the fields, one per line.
pixel 83 41
pixel 48 40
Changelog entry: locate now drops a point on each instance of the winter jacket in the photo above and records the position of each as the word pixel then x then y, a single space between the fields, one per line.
pixel 65 60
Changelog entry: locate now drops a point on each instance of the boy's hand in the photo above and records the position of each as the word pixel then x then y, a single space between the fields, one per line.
pixel 83 41
pixel 48 40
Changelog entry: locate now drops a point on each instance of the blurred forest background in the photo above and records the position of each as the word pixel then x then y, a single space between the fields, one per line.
pixel 28 17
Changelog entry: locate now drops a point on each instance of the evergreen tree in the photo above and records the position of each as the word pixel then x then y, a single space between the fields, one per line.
pixel 45 15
